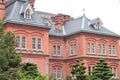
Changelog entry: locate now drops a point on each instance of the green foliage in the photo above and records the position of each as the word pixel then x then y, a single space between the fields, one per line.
pixel 102 71
pixel 9 59
pixel 68 78
pixel 29 71
pixel 78 69
pixel 1 29
pixel 88 78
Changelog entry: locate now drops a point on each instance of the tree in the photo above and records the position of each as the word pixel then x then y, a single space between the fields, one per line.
pixel 102 71
pixel 30 72
pixel 78 69
pixel 9 59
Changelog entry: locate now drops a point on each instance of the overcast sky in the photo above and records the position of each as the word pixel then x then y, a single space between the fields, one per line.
pixel 107 10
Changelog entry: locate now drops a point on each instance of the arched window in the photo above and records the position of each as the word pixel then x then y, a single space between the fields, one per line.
pixel 27 14
pixel 57 73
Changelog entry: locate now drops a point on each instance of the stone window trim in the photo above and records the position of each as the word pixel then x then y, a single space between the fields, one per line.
pixel 73 50
pixel 114 71
pixel 102 49
pixel 112 50
pixel 17 42
pixel 36 44
pixel 56 50
pixel 24 40
pixel 91 48
pixel 28 12
pixel 21 42
pixel 57 72
pixel 90 69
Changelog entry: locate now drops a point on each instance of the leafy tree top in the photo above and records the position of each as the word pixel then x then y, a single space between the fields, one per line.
pixel 78 69
pixel 9 59
pixel 102 71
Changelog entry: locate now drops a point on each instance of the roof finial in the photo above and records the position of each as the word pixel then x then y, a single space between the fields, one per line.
pixel 83 12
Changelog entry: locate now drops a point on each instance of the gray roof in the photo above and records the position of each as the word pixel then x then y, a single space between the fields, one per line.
pixel 81 24
pixel 13 14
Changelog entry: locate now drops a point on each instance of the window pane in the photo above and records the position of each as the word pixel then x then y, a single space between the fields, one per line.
pixel 110 49
pixel 93 48
pixel 54 50
pixel 33 43
pixel 28 14
pixel 17 41
pixel 103 49
pixel 99 47
pixel 39 44
pixel 88 47
pixel 89 70
pixel 74 49
pixel 58 51
pixel 71 49
pixel 114 71
pixel 114 50
pixel 59 73
pixel 23 42
pixel 54 73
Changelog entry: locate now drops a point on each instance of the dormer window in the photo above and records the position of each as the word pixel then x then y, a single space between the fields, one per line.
pixel 96 23
pixel 27 14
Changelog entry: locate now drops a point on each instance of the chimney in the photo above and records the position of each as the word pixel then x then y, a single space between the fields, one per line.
pixel 2 9
pixel 60 19
pixel 32 3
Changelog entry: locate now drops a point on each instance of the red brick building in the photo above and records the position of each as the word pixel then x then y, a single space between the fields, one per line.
pixel 53 41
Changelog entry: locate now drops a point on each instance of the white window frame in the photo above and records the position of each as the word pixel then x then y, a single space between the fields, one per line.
pixel 27 14
pixel 57 73
pixel 90 69
pixel 112 50
pixel 102 49
pixel 17 42
pixel 73 49
pixel 56 50
pixel 88 48
pixel 91 48
pixel 39 44
pixel 23 42
pixel 34 43
pixel 114 71
pixel 54 72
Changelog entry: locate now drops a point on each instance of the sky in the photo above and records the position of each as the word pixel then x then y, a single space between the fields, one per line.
pixel 107 10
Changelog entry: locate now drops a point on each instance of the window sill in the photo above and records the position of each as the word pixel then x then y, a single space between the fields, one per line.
pixel 20 48
pixel 72 55
pixel 17 49
pixel 56 56
pixel 100 54
pixel 37 50
pixel 91 53
pixel 112 55
pixel 115 77
pixel 23 49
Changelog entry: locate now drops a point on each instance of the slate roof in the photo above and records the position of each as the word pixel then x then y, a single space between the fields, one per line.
pixel 81 24
pixel 13 14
